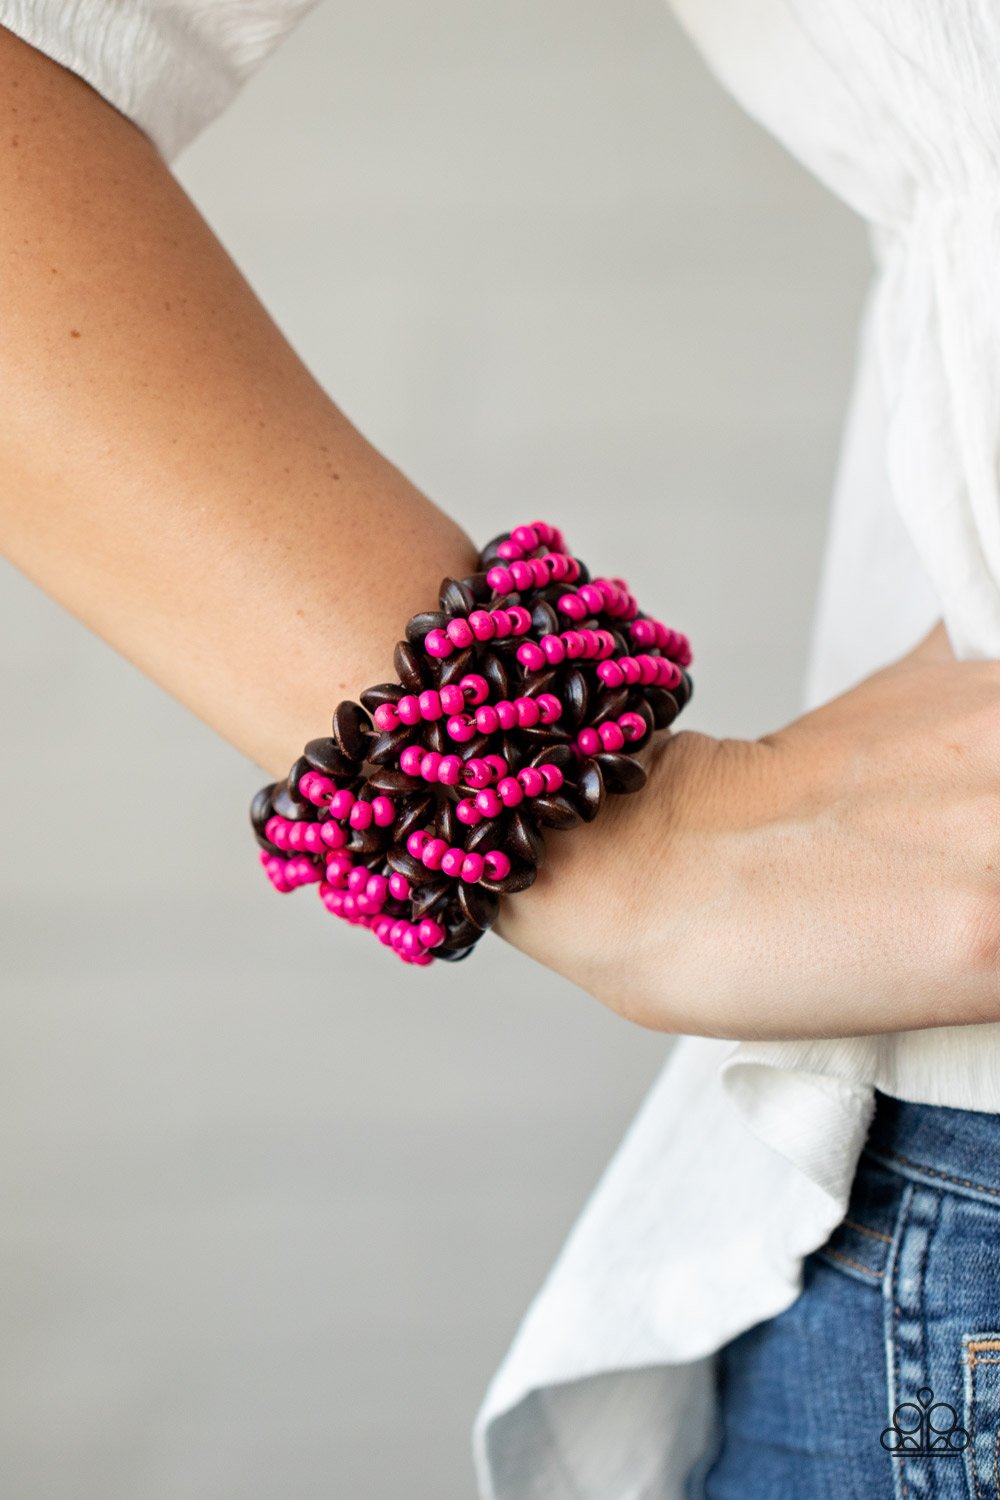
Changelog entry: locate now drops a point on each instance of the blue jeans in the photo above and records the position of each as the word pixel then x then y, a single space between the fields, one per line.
pixel 899 1317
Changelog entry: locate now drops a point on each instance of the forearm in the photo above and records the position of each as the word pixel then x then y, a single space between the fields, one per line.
pixel 170 471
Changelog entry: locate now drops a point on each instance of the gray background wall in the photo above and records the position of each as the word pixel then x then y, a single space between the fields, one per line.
pixel 272 1208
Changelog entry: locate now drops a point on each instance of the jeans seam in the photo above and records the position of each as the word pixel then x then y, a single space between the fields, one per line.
pixel 886 1157
pixel 893 1313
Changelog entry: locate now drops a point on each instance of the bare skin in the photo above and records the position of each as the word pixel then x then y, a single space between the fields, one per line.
pixel 173 474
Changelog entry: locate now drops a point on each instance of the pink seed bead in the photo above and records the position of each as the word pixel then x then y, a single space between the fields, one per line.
pixel 549 707
pixel 633 726
pixel 383 811
pixel 497 764
pixel 450 770
pixel 591 645
pixel 295 836
pixel 502 622
pixel 333 835
pixel 399 886
pixel 499 579
pixel 509 550
pixel 487 721
pixel 416 843
pixel 539 572
pixel 557 567
pixel 488 803
pixel 475 688
pixel 554 648
pixel 339 866
pixel 451 861
pixel 349 907
pixel 630 669
pixel 649 668
pixel 436 643
pixel 361 815
pixel 573 606
pixel 430 933
pixel 528 712
pixel 385 717
pixel 510 791
pixel 573 641
pixel 409 941
pixel 408 709
pixel 481 624
pixel 610 674
pixel 611 735
pixel 589 741
pixel 381 929
pixel 358 879
pixel 468 813
pixel 459 633
pixel 520 619
pixel 497 864
pixel 670 673
pixel 472 869
pixel 643 632
pixel 452 699
pixel 525 537
pixel 506 714
pixel 429 765
pixel 553 777
pixel 341 803
pixel 422 959
pixel 477 772
pixel 410 758
pixel 591 596
pixel 396 931
pixel 531 780
pixel 531 657
pixel 376 888
pixel 430 704
pixel 461 728
pixel 433 852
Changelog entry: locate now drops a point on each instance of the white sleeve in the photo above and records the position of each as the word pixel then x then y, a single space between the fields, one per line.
pixel 170 66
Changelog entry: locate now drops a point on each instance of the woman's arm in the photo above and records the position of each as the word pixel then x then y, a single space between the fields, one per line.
pixel 173 474
pixel 170 471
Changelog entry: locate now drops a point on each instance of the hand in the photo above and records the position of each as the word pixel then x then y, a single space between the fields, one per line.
pixel 836 878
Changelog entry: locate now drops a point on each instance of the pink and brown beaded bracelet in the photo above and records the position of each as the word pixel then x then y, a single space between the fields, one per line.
pixel 520 704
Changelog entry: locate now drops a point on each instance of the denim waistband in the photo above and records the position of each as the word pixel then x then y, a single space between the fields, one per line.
pixel 958 1149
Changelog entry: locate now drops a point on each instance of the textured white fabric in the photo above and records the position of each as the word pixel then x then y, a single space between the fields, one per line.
pixel 741 1158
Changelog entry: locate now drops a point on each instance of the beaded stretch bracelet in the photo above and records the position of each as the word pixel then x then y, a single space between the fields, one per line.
pixel 519 705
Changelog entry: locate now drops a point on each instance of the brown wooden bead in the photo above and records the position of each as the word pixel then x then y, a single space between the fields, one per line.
pixel 489 834
pixel 608 704
pixel 260 807
pixel 422 624
pixel 456 666
pixel 352 728
pixel 446 822
pixel 418 812
pixel 559 754
pixel 411 667
pixel 492 668
pixel 479 908
pixel 545 618
pixel 386 748
pixel 555 811
pixel 456 597
pixel 394 782
pixel 576 698
pixel 326 755
pixel 664 706
pixel 427 899
pixel 590 792
pixel 381 692
pixel 524 838
pixel 478 587
pixel 406 864
pixel 436 737
pixel 521 876
pixel 621 773
pixel 287 805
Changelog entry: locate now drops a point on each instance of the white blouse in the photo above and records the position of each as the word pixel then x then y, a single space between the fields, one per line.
pixel 740 1161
